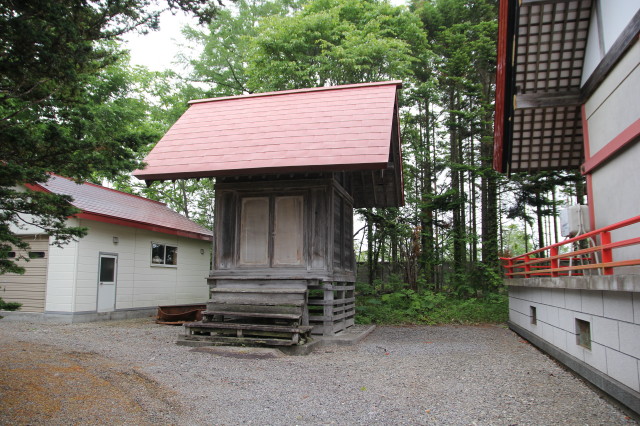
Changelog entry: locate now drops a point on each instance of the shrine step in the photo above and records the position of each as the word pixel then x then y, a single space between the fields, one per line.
pixel 258 290
pixel 253 313
pixel 241 333
pixel 244 326
pixel 236 341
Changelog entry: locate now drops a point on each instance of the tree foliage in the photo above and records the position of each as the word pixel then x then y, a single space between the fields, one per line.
pixel 331 42
pixel 63 107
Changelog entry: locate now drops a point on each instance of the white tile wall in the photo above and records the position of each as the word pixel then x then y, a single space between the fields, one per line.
pixel 573 300
pixel 592 302
pixel 623 368
pixel 567 320
pixel 614 319
pixel 545 296
pixel 630 339
pixel 547 331
pixel 560 338
pixel 558 297
pixel 605 332
pixel 575 349
pixel 619 305
pixel 596 357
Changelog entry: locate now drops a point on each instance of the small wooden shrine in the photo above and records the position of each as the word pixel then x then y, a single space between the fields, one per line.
pixel 290 167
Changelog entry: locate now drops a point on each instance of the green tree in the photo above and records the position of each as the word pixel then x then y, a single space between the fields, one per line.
pixel 226 42
pixel 462 37
pixel 160 98
pixel 59 107
pixel 331 42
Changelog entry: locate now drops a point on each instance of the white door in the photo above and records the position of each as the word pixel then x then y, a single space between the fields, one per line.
pixel 107 273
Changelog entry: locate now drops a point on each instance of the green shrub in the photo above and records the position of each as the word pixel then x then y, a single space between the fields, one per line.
pixel 426 307
pixel 9 306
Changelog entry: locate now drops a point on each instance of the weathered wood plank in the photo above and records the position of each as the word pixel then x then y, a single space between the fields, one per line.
pixel 241 340
pixel 259 290
pixel 320 302
pixel 276 315
pixel 245 326
pixel 257 300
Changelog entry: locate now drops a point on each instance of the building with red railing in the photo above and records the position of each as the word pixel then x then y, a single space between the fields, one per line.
pixel 568 97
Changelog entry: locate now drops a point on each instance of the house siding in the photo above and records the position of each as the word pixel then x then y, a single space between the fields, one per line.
pixel 139 284
pixel 29 288
pixel 62 277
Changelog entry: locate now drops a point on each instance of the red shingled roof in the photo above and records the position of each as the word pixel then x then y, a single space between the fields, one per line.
pixel 321 129
pixel 111 206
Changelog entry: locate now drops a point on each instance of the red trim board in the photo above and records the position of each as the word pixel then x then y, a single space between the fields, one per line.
pixel 155 228
pixel 611 149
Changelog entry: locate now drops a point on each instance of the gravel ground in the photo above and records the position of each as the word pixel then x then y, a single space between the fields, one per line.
pixel 131 372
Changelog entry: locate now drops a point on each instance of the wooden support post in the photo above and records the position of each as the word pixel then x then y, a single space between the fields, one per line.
pixel 328 309
pixel 607 255
pixel 555 263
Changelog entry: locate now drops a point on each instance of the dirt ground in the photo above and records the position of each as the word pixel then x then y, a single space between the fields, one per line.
pixel 47 385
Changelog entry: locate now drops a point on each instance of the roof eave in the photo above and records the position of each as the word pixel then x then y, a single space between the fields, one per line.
pixel 97 217
pixel 397 83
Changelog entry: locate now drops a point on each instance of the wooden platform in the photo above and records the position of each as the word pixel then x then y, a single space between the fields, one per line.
pixel 253 316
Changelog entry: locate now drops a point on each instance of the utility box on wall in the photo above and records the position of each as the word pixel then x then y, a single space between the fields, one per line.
pixel 574 220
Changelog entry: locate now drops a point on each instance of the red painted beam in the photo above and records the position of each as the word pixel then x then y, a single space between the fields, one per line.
pixel 501 83
pixel 628 136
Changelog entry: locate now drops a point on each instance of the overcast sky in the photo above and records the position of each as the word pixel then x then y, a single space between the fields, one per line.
pixel 157 49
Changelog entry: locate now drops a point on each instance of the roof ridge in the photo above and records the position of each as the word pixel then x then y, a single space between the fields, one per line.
pixel 294 91
pixel 108 189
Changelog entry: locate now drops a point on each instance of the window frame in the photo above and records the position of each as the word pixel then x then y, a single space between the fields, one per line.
pixel 164 255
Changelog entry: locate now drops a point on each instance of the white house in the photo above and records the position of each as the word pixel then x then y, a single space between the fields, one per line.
pixel 138 254
pixel 568 97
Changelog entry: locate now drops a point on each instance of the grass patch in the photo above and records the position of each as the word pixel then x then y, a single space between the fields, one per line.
pixel 429 308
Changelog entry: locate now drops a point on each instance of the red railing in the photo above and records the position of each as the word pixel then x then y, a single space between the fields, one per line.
pixel 549 262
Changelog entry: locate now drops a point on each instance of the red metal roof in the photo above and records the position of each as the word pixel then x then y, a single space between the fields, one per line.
pixel 111 206
pixel 321 129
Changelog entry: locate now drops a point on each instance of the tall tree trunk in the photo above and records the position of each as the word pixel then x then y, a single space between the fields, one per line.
pixel 456 184
pixel 473 208
pixel 426 213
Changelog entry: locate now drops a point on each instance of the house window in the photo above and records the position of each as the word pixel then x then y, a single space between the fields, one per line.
pixel 271 231
pixel 11 255
pixel 583 333
pixel 162 254
pixel 36 255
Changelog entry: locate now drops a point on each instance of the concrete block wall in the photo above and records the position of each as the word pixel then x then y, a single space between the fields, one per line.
pixel 613 316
